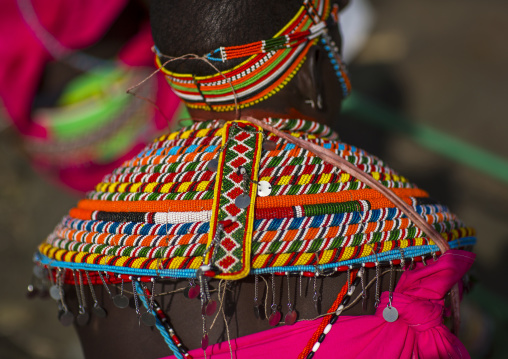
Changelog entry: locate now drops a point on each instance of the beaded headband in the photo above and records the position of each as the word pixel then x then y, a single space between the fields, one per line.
pixel 271 64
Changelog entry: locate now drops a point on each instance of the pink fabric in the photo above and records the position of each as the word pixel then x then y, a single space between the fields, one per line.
pixel 75 25
pixel 418 333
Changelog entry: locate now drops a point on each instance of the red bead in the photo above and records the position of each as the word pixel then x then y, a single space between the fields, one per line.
pixel 209 273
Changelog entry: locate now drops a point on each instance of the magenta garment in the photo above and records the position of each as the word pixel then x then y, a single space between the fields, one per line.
pixel 418 333
pixel 74 25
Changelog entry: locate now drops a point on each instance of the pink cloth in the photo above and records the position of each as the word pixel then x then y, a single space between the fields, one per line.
pixel 418 333
pixel 74 25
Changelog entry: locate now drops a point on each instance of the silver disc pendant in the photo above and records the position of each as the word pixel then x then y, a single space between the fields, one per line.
pixel 54 292
pixel 242 201
pixel 212 165
pixel 269 145
pixel 264 188
pixel 121 301
pixel 38 272
pixel 148 319
pixel 390 314
pixel 99 311
pixel 82 319
pixel 66 318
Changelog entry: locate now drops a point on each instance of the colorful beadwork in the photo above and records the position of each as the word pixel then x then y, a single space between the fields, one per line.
pixel 152 215
pixel 241 151
pixel 271 64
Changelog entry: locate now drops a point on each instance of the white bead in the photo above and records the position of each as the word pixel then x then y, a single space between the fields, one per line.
pixel 327 329
pixel 339 310
pixel 351 290
pixel 316 347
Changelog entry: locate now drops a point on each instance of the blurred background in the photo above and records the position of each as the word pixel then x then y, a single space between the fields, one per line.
pixel 429 98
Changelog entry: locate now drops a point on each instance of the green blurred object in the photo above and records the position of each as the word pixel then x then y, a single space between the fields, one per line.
pixel 458 150
pixel 88 102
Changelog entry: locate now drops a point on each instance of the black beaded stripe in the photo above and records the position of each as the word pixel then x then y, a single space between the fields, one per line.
pixel 120 216
pixel 425 200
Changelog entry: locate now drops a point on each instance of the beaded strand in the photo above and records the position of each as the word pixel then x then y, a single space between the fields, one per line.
pixel 337 307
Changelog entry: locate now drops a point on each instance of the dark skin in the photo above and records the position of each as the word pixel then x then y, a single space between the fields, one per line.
pixel 315 79
pixel 120 335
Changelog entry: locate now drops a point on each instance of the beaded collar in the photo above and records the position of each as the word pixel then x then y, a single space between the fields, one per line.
pixel 271 64
pixel 227 200
pixel 243 202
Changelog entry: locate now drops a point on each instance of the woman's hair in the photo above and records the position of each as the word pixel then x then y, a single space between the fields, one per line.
pixel 181 27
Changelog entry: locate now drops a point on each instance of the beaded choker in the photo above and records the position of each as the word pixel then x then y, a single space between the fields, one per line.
pixel 271 64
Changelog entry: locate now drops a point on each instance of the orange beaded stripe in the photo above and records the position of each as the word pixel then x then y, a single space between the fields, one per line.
pixel 87 206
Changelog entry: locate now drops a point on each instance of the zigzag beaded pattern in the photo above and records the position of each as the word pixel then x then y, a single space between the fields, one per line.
pixel 154 211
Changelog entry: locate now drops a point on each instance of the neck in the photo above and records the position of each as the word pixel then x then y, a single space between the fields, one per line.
pixel 202 115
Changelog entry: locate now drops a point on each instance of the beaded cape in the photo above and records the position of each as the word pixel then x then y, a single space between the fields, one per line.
pixel 167 211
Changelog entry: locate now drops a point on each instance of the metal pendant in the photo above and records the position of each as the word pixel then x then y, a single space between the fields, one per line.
pixel 212 165
pixel 209 308
pixel 82 319
pixel 148 319
pixel 264 188
pixel 364 303
pixel 274 318
pixel 269 145
pixel 31 291
pixel 38 272
pixel 193 292
pixel 242 201
pixel 54 292
pixel 99 311
pixel 121 301
pixel 204 342
pixel 257 312
pixel 290 317
pixel 390 314
pixel 66 318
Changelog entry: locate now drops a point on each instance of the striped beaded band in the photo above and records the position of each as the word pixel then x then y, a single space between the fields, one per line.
pixel 151 216
pixel 271 64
